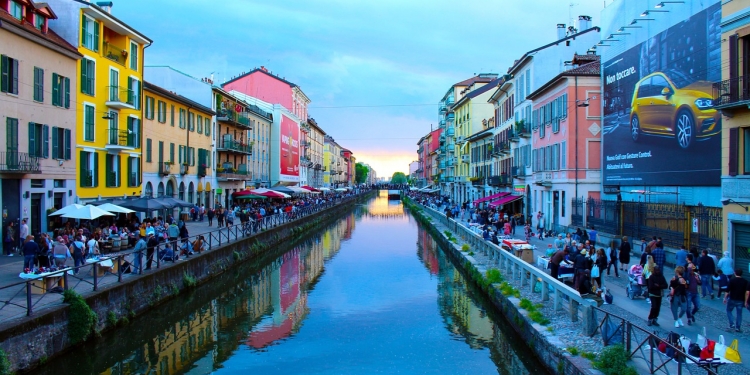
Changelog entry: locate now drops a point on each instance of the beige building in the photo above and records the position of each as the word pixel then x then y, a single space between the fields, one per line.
pixel 314 153
pixel 177 140
pixel 38 106
pixel 260 134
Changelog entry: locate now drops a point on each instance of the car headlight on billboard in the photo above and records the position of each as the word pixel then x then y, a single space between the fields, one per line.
pixel 704 103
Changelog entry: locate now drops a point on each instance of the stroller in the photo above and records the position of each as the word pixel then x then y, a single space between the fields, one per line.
pixel 636 282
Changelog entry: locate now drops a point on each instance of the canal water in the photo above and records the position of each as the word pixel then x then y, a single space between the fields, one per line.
pixel 371 294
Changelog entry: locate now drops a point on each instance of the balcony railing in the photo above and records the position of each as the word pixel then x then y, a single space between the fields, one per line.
pixel 451 147
pixel 230 115
pixel 112 179
pixel 523 129
pixel 450 131
pixel 184 169
pixel 228 143
pixel 18 162
pixel 133 179
pixel 518 172
pixel 500 180
pixel 477 181
pixel 121 138
pixel 115 54
pixel 87 179
pixel 732 92
pixel 120 97
pixel 465 158
pixel 165 168
pixel 228 172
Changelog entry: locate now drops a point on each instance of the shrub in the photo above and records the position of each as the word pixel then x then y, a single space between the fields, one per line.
pixel 526 304
pixel 5 366
pixel 588 355
pixel 465 247
pixel 471 253
pixel 572 350
pixel 81 319
pixel 538 317
pixel 236 255
pixel 112 318
pixel 613 360
pixel 493 276
pixel 188 280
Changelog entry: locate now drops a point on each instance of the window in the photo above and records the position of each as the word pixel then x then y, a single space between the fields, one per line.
pixel 161 152
pixel 182 118
pixel 191 122
pixel 134 87
pixel 562 203
pixel 88 76
pixel 9 76
pixel 528 82
pixel 161 112
pixel 38 140
pixel 58 184
pixel 16 10
pixel 134 132
pixel 90 33
pixel 134 171
pixel 200 124
pixel 208 126
pixel 89 170
pixel 88 123
pixel 149 108
pixel 542 130
pixel 171 116
pixel 39 85
pixel 181 155
pixel 112 164
pixel 60 91
pixel 148 150
pixel 38 21
pixel 134 56
pixel 171 152
pixel 60 143
pixel 37 183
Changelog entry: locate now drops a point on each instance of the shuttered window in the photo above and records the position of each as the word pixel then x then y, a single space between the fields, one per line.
pixel 39 84
pixel 741 247
pixel 8 74
pixel 88 123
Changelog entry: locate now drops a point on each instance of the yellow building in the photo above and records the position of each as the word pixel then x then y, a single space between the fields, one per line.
pixel 108 98
pixel 327 161
pixel 177 140
pixel 732 100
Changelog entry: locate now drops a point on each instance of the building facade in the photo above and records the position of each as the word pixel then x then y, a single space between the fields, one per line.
pixel 109 98
pixel 38 163
pixel 314 153
pixel 233 146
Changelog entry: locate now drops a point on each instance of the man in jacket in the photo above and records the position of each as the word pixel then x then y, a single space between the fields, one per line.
pixel 138 255
pixel 555 261
pixel 736 298
pixel 707 269
pixel 152 243
pixel 174 233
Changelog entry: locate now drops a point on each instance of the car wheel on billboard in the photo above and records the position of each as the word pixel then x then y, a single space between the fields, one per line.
pixel 635 128
pixel 684 129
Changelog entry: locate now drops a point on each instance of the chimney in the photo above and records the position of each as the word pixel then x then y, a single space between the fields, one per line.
pixel 584 23
pixel 105 5
pixel 263 68
pixel 560 31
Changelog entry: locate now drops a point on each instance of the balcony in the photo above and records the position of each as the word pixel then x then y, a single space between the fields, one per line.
pixel 503 148
pixel 451 147
pixel 442 107
pixel 441 164
pixel 732 93
pixel 460 140
pixel 514 136
pixel 120 98
pixel 450 162
pixel 519 172
pixel 18 162
pixel 523 129
pixel 501 180
pixel 121 140
pixel 228 144
pixel 420 149
pixel 184 169
pixel 450 100
pixel 450 131
pixel 305 144
pixel 442 123
pixel 227 172
pixel 477 181
pixel 202 171
pixel 115 54
pixel 165 167
pixel 450 117
pixel 233 117
pixel 466 158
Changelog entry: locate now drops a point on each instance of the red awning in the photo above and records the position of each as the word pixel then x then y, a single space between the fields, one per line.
pixel 310 188
pixel 505 200
pixel 491 197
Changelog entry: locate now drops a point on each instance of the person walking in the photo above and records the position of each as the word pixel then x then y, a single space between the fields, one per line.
pixel 659 256
pixel 593 235
pixel 680 257
pixel 624 257
pixel 76 248
pixel 30 250
pixel 612 251
pixel 707 269
pixel 736 299
pixel 656 286
pixel 601 262
pixel 540 221
pixel 693 295
pixel 678 296
pixel 10 239
pixel 23 231
pixel 726 264
pixel 60 253
pixel 210 215
pixel 138 255
pixel 174 233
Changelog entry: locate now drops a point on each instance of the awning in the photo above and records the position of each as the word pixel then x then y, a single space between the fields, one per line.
pixel 491 197
pixel 505 200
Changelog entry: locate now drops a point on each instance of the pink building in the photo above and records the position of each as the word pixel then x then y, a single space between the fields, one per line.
pixel 566 140
pixel 262 84
pixel 427 146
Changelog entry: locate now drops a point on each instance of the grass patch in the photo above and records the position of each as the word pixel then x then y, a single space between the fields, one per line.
pixel 613 360
pixel 81 318
pixel 471 253
pixel 588 355
pixel 493 276
pixel 188 280
pixel 236 255
pixel 572 350
pixel 550 329
pixel 5 366
pixel 538 317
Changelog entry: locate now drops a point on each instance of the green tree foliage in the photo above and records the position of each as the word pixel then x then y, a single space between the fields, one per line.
pixel 398 178
pixel 360 173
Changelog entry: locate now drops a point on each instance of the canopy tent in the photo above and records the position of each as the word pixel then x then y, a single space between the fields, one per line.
pixel 283 189
pixel 299 190
pixel 430 191
pixel 308 187
pixel 250 196
pixel 491 197
pixel 241 193
pixel 144 204
pixel 86 213
pixel 429 187
pixel 324 189
pixel 505 200
pixel 174 202
pixel 113 208
pixel 269 193
pixel 66 209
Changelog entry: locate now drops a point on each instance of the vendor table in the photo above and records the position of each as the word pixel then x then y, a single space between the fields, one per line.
pixel 43 282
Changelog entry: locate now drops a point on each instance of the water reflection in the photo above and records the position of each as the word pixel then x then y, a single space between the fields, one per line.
pixel 343 301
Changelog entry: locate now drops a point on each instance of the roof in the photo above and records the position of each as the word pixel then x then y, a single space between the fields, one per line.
pixel 314 124
pixel 15 26
pixel 472 80
pixel 519 62
pixel 148 86
pixel 109 15
pixel 479 135
pixel 473 94
pixel 591 68
pixel 262 70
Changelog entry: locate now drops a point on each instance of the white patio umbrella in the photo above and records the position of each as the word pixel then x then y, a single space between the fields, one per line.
pixel 66 209
pixel 113 208
pixel 299 190
pixel 340 189
pixel 324 189
pixel 87 213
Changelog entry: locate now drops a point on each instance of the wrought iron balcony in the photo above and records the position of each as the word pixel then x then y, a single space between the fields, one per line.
pixel 18 162
pixel 501 180
pixel 477 181
pixel 165 167
pixel 120 98
pixel 113 179
pixel 523 129
pixel 732 93
pixel 519 172
pixel 233 117
pixel 228 173
pixel 87 179
pixel 228 144
pixel 115 54
pixel 450 131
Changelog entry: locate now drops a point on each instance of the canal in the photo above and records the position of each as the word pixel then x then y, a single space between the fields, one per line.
pixel 372 293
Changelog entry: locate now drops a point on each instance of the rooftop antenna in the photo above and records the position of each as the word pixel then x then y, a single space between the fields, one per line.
pixel 570 12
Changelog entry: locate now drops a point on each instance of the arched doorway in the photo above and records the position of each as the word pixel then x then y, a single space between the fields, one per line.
pixel 160 190
pixel 182 191
pixel 170 189
pixel 148 191
pixel 191 192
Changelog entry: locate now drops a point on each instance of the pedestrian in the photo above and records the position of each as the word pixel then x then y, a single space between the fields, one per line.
pixel 624 256
pixel 644 256
pixel 60 253
pixel 601 262
pixel 681 256
pixel 736 298
pixel 656 286
pixel 151 245
pixel 202 212
pixel 678 296
pixel 24 230
pixel 726 264
pixel 580 265
pixel 707 269
pixel 540 225
pixel 9 240
pixel 174 233
pixel 693 295
pixel 694 252
pixel 592 235
pixel 210 215
pixel 659 256
pixel 30 250
pixel 723 282
pixel 76 248
pixel 220 217
pixel 138 255
pixel 612 255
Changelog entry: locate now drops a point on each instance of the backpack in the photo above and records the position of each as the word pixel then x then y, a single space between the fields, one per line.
pixel 77 250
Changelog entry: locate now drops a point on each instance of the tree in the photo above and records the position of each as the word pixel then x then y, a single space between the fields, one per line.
pixel 360 173
pixel 398 178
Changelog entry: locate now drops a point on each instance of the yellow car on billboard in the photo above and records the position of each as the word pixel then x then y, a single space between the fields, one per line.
pixel 670 104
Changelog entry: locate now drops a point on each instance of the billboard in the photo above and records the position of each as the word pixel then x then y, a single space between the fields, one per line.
pixel 659 124
pixel 289 150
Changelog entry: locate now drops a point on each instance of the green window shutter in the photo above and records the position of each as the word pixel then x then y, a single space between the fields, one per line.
pixel 130 169
pixel 137 88
pixel 55 90
pixel 67 92
pixel 67 144
pixel 45 144
pixel 14 77
pixel 32 139
pixel 5 75
pixel 118 179
pixel 208 126
pixel 180 153
pixel 137 133
pixel 55 149
pixel 41 85
pixel 171 118
pixel 82 158
pixel 88 131
pixel 84 78
pixel 84 29
pixel 148 150
pixel 109 168
pixel 96 170
pixel 161 152
pixel 171 152
pixel 96 36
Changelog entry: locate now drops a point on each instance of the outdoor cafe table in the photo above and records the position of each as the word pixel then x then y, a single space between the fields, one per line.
pixel 105 265
pixel 43 282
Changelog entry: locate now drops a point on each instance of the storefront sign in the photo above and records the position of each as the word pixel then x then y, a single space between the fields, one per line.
pixel 219 191
pixel 519 188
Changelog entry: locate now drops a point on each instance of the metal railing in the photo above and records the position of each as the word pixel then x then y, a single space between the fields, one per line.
pixel 19 162
pixel 732 92
pixel 228 143
pixel 115 54
pixel 121 95
pixel 25 296
pixel 123 138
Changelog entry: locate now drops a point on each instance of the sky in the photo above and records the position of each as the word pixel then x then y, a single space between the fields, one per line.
pixel 374 70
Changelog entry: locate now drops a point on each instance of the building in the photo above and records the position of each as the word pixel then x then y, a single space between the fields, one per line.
pixel 566 151
pixel 347 164
pixel 38 164
pixel 427 146
pixel 332 158
pixel 314 152
pixel 504 154
pixel 177 138
pixel 732 102
pixel 108 98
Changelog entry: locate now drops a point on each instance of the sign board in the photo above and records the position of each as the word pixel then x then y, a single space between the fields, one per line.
pixel 611 189
pixel 695 225
pixel 219 191
pixel 519 188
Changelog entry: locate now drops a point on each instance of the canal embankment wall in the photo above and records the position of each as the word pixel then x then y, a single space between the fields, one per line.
pixel 32 340
pixel 544 344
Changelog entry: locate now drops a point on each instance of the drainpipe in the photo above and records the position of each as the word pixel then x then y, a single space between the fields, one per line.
pixel 576 135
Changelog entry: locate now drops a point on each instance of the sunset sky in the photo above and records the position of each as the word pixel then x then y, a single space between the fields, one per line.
pixel 374 70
